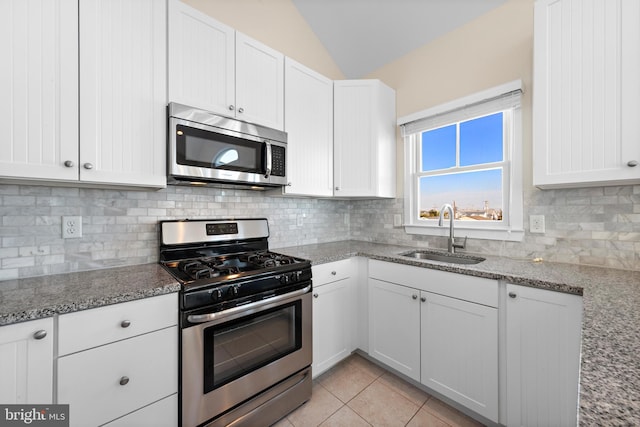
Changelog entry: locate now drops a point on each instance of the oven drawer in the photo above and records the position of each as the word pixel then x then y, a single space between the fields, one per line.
pixel 331 272
pixel 91 328
pixel 110 381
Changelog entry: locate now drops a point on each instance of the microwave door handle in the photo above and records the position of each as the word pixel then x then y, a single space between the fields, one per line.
pixel 267 171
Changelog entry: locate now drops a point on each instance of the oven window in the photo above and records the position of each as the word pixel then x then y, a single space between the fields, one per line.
pixel 234 349
pixel 197 147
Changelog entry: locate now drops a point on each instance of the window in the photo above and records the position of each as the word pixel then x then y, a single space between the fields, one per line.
pixel 468 154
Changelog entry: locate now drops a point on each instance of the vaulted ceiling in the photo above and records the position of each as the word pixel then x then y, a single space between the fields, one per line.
pixel 363 35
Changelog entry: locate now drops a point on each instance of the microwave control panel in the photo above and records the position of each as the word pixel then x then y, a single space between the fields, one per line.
pixel 277 161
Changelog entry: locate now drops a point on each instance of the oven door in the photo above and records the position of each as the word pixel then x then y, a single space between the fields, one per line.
pixel 235 356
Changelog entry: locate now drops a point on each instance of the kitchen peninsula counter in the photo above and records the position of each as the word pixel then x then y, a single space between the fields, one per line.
pixel 610 366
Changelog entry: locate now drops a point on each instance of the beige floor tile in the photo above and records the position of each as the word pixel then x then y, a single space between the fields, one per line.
pixel 318 409
pixel 449 415
pixel 381 406
pixel 369 367
pixel 345 381
pixel 283 423
pixel 426 419
pixel 412 393
pixel 345 417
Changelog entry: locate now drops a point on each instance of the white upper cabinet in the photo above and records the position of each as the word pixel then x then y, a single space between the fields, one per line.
pixel 123 92
pixel 586 93
pixel 92 112
pixel 201 60
pixel 39 89
pixel 364 139
pixel 214 67
pixel 309 126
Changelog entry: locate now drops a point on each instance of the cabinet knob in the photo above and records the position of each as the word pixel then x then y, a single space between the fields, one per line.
pixel 125 323
pixel 333 273
pixel 69 164
pixel 88 165
pixel 512 295
pixel 124 380
pixel 232 107
pixel 337 188
pixel 40 334
pixel 414 296
pixel 632 163
pixel 240 110
pixel 423 299
pixel 315 295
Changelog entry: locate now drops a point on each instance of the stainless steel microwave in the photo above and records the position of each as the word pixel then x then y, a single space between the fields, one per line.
pixel 206 148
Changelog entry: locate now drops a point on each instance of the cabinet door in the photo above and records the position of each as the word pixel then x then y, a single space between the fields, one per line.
pixel 259 83
pixel 26 362
pixel 309 125
pixel 586 92
pixel 543 330
pixel 123 92
pixel 459 351
pixel 364 139
pixel 39 89
pixel 331 319
pixel 394 327
pixel 201 60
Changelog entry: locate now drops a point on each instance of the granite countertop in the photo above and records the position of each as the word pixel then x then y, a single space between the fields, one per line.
pixel 39 297
pixel 610 374
pixel 610 369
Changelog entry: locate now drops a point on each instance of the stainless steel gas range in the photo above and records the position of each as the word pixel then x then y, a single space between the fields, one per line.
pixel 245 319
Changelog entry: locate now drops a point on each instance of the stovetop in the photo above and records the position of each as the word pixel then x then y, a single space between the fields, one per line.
pixel 203 267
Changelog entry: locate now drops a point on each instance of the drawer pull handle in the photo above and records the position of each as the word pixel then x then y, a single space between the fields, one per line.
pixel 632 163
pixel 333 273
pixel 512 295
pixel 124 380
pixel 125 323
pixel 40 334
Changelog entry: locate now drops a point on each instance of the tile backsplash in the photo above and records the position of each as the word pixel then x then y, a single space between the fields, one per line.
pixel 595 226
pixel 120 227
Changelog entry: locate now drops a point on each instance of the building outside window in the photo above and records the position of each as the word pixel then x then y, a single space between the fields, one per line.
pixel 466 153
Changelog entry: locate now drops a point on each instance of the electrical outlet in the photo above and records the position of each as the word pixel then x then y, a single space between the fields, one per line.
pixel 300 220
pixel 397 220
pixel 71 227
pixel 536 223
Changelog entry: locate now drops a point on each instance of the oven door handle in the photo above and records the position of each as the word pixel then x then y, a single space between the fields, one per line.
pixel 203 318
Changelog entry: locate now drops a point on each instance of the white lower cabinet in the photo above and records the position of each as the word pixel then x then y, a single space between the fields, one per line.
pixel 333 323
pixel 161 413
pixel 26 362
pixel 394 326
pixel 543 333
pixel 438 328
pixel 113 373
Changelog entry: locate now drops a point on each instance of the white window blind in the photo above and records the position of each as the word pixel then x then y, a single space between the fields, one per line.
pixel 473 106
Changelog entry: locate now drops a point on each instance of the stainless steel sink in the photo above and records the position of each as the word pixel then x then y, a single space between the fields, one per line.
pixel 444 257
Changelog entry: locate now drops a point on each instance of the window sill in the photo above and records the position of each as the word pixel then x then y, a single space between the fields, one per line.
pixel 513 235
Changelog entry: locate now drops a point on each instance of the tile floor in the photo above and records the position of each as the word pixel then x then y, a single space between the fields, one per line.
pixel 356 392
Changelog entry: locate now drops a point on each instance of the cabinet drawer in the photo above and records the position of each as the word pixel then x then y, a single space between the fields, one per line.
pixel 330 272
pixel 90 381
pixel 163 413
pixel 467 288
pixel 91 328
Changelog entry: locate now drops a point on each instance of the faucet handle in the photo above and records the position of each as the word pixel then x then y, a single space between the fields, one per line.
pixel 461 246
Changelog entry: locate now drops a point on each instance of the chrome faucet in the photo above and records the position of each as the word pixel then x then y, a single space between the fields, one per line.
pixel 452 245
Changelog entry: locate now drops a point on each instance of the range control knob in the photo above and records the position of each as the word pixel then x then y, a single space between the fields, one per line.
pixel 285 279
pixel 234 290
pixel 216 294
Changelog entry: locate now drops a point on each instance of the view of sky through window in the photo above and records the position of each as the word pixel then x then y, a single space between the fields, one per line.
pixel 475 145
